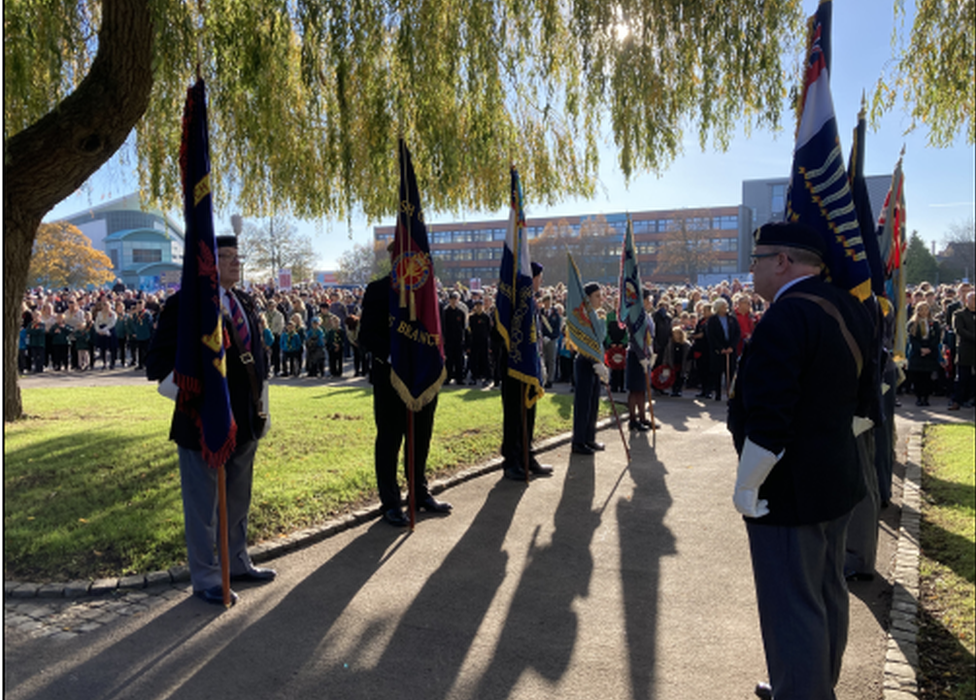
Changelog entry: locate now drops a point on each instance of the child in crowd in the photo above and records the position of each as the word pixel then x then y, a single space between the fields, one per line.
pixel 23 351
pixel 83 341
pixel 677 356
pixel 315 364
pixel 333 341
pixel 291 345
pixel 37 339
pixel 60 342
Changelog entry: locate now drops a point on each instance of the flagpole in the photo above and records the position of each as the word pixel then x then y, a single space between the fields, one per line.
pixel 525 432
pixel 410 459
pixel 650 402
pixel 616 417
pixel 223 534
pixel 728 379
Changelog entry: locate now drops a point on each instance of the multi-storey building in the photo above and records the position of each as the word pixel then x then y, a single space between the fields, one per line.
pixel 145 246
pixel 468 251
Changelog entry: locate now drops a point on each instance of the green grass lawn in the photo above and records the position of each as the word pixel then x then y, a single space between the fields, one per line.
pixel 92 488
pixel 947 631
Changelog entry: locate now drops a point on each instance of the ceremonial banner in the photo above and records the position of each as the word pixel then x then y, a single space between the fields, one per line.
pixel 862 204
pixel 819 194
pixel 584 328
pixel 632 298
pixel 891 238
pixel 515 310
pixel 416 345
pixel 201 370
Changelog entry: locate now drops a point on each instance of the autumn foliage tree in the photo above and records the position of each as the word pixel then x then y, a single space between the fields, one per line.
pixel 63 257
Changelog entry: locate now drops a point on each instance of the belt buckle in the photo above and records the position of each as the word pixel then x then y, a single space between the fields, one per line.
pixel 247 358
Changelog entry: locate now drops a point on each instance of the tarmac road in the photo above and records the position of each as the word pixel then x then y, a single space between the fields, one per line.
pixel 606 580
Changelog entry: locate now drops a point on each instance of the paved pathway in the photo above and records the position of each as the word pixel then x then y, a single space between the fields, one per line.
pixel 608 580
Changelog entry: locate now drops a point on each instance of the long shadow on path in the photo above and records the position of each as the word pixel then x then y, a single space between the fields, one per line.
pixel 644 539
pixel 541 628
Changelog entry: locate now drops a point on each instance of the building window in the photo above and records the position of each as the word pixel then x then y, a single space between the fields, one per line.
pixel 727 223
pixel 777 203
pixel 498 234
pixel 146 255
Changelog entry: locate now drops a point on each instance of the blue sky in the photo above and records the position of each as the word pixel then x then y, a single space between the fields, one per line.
pixel 940 184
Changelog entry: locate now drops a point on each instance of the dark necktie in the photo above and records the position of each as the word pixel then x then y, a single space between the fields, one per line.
pixel 237 315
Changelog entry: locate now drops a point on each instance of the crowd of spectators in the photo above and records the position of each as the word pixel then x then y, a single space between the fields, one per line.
pixel 311 331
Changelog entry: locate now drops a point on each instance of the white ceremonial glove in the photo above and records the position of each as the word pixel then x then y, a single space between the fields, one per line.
pixel 602 372
pixel 646 364
pixel 861 424
pixel 755 463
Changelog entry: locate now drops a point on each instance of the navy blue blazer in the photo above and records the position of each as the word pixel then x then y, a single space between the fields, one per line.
pixel 161 359
pixel 797 390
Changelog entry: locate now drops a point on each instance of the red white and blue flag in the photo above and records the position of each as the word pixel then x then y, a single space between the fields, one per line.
pixel 819 194
pixel 200 370
pixel 416 344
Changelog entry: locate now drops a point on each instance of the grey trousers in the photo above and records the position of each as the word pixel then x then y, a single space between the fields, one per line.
pixel 803 605
pixel 862 532
pixel 198 483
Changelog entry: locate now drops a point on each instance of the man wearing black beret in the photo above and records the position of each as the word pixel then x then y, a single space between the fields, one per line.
pixel 792 420
pixel 515 433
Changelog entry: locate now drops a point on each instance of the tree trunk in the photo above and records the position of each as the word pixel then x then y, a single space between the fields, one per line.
pixel 53 157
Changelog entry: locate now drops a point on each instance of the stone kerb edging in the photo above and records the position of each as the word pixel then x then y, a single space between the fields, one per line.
pixel 901 657
pixel 264 551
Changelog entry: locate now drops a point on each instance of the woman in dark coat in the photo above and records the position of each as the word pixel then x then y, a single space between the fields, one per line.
pixel 923 351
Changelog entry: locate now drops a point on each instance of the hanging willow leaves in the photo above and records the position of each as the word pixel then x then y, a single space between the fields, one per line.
pixel 308 96
pixel 935 72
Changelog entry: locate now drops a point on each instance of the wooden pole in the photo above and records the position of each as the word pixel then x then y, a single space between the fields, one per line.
pixel 650 402
pixel 410 459
pixel 728 367
pixel 525 432
pixel 223 533
pixel 616 417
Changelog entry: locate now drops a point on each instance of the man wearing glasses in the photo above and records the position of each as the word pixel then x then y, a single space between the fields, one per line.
pixel 792 420
pixel 246 372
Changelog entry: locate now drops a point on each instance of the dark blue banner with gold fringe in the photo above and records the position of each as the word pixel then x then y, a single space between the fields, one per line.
pixel 201 370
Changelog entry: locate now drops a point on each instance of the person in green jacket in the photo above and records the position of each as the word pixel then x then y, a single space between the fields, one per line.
pixel 83 341
pixel 37 339
pixel 60 344
pixel 140 331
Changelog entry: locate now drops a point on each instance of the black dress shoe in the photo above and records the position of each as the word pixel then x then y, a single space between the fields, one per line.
pixel 649 424
pixel 256 574
pixel 581 449
pixel 431 505
pixel 540 469
pixel 395 517
pixel 515 473
pixel 637 425
pixel 764 691
pixel 596 446
pixel 215 595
